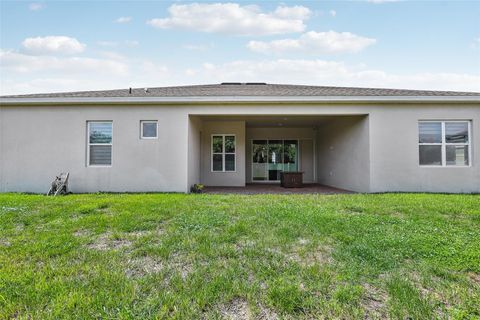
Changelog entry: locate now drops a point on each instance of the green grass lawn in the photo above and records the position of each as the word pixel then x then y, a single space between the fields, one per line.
pixel 241 257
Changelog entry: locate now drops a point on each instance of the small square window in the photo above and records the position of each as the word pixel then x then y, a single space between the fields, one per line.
pixel 148 130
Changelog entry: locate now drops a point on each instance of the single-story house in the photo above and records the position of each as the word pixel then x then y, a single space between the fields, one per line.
pixel 166 139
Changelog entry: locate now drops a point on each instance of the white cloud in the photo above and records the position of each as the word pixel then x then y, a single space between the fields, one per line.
pixel 23 73
pixel 295 12
pixel 53 45
pixel 44 85
pixel 333 13
pixel 123 20
pixel 35 6
pixel 232 18
pixel 11 61
pixel 328 73
pixel 314 42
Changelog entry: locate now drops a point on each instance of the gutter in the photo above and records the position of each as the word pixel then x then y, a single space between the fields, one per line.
pixel 239 99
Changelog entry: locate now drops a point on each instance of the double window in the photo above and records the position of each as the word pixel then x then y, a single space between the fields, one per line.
pixel 223 152
pixel 444 143
pixel 99 146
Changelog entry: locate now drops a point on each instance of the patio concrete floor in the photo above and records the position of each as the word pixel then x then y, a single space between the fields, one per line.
pixel 267 188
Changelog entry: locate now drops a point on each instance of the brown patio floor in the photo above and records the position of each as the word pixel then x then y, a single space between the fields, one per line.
pixel 260 188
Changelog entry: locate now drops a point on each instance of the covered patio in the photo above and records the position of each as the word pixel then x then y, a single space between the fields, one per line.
pixel 264 188
pixel 330 150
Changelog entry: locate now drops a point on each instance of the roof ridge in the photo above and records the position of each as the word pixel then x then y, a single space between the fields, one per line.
pixel 253 89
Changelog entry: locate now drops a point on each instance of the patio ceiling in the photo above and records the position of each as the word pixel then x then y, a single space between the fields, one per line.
pixel 262 121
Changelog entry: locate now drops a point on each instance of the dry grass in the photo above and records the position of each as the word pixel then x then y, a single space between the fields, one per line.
pixel 107 242
pixel 160 256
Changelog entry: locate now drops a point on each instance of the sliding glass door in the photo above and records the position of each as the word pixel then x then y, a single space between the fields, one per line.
pixel 290 155
pixel 271 157
pixel 259 160
pixel 275 159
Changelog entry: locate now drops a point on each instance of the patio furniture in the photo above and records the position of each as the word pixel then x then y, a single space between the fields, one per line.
pixel 291 179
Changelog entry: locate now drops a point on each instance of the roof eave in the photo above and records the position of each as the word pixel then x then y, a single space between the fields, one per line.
pixel 240 99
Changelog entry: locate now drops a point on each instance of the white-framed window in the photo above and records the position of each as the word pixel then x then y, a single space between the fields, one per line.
pixel 444 143
pixel 223 153
pixel 148 129
pixel 99 143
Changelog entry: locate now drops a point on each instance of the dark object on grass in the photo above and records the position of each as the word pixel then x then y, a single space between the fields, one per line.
pixel 59 185
pixel 197 188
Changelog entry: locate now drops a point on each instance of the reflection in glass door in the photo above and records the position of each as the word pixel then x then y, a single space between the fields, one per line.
pixel 271 157
pixel 275 159
pixel 290 155
pixel 259 160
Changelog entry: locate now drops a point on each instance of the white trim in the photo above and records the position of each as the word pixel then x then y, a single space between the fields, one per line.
pixel 444 144
pixel 235 99
pixel 223 153
pixel 141 129
pixel 444 148
pixel 98 144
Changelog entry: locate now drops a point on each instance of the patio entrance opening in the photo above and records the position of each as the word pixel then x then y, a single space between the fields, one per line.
pixel 323 149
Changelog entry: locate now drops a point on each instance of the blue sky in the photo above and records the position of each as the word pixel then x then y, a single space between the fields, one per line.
pixel 65 45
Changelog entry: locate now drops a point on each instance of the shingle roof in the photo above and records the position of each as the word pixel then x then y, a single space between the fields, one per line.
pixel 246 89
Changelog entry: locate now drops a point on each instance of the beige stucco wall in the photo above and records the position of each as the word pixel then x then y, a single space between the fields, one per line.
pixel 236 178
pixel 394 150
pixel 302 134
pixel 343 153
pixel 194 150
pixel 39 142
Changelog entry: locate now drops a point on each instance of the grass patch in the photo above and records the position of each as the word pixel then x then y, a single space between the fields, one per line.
pixel 181 256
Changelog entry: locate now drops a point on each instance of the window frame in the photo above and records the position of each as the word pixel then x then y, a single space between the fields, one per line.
pixel 223 153
pixel 142 137
pixel 98 144
pixel 444 144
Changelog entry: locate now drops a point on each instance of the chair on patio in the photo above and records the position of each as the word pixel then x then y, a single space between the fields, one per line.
pixel 291 179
